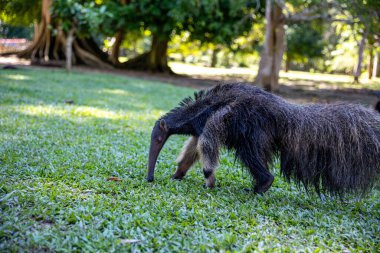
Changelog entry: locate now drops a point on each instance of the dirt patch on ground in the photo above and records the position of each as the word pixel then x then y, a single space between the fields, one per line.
pixel 300 91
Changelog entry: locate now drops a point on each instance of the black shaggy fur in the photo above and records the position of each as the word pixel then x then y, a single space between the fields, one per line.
pixel 377 106
pixel 332 148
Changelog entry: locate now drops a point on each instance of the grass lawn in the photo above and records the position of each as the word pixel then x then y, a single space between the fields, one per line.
pixel 55 159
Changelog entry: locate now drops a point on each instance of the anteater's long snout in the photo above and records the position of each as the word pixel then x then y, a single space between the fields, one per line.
pixel 154 151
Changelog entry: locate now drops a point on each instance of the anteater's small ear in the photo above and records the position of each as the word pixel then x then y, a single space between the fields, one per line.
pixel 163 125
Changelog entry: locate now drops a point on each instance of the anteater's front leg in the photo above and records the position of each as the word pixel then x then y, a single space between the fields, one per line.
pixel 209 143
pixel 189 155
pixel 208 148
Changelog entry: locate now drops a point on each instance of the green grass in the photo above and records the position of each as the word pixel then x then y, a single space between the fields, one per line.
pixel 55 158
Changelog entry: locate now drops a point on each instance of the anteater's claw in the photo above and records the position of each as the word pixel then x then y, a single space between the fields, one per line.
pixel 177 177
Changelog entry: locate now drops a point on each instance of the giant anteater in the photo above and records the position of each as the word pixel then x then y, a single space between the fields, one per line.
pixel 332 148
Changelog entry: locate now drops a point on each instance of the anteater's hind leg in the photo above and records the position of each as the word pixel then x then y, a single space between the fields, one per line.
pixel 189 155
pixel 209 143
pixel 256 156
pixel 263 178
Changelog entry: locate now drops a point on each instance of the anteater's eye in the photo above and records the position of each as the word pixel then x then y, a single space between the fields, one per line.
pixel 159 138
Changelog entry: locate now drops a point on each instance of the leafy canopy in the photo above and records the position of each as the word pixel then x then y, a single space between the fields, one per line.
pixel 84 17
pixel 217 21
pixel 20 12
pixel 304 41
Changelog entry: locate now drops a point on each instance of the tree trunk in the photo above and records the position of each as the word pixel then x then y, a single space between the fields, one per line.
pixel 69 48
pixel 287 63
pixel 36 31
pixel 358 67
pixel 88 58
pixel 370 61
pixel 39 47
pixel 90 45
pixel 156 60
pixel 273 50
pixel 376 67
pixel 47 45
pixel 114 57
pixel 226 60
pixel 214 57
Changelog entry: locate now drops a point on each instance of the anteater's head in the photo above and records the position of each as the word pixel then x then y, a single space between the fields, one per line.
pixel 178 121
pixel 159 136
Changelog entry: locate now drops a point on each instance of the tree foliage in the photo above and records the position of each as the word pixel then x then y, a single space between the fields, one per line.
pixel 211 21
pixel 221 22
pixel 150 29
pixel 304 41
pixel 84 17
pixel 20 12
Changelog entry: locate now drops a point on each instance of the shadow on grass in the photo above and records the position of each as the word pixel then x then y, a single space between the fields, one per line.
pixel 305 93
pixel 340 85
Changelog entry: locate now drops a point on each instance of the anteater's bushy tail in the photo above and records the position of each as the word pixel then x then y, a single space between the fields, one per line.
pixel 332 148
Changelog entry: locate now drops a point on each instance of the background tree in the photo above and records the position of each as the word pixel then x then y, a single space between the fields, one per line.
pixel 304 43
pixel 77 19
pixel 277 14
pixel 366 19
pixel 273 49
pixel 20 13
pixel 219 22
pixel 114 24
pixel 161 18
pixel 203 31
pixel 50 35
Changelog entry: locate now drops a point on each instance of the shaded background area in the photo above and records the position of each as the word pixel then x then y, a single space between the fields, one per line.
pixel 296 86
pixel 257 41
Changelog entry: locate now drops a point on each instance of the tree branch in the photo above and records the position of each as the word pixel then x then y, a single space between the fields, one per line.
pixel 327 18
pixel 309 14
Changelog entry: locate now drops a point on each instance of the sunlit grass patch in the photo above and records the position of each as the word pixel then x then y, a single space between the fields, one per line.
pixel 55 158
pixel 80 113
pixel 191 69
pixel 17 77
pixel 68 111
pixel 115 91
